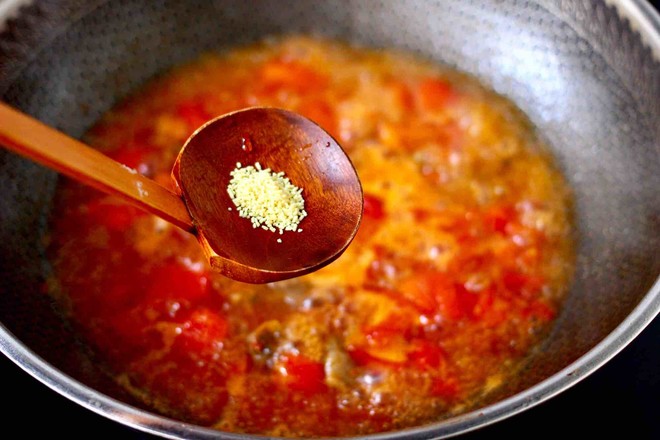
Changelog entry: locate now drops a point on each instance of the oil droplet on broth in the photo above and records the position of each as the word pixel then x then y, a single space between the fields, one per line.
pixel 246 144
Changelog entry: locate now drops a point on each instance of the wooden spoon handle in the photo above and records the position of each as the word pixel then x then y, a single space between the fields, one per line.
pixel 34 140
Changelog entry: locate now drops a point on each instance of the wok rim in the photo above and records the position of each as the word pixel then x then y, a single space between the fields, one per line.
pixel 643 18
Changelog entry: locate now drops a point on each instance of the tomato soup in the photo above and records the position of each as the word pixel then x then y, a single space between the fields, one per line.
pixel 458 270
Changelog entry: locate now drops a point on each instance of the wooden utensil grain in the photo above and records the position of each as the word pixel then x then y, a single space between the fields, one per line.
pixel 279 139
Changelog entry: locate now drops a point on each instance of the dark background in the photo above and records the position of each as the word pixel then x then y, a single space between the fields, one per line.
pixel 619 400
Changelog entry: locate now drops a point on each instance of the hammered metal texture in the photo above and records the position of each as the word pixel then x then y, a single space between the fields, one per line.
pixel 575 67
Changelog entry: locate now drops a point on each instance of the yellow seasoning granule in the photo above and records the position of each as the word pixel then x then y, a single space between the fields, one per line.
pixel 267 198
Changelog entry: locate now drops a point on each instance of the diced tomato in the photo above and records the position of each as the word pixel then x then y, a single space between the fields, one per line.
pixel 193 112
pixel 372 216
pixel 514 280
pixel 202 333
pixel 364 356
pixel 291 75
pixel 385 339
pixel 395 324
pixel 112 213
pixel 373 207
pixel 498 217
pixel 463 226
pixel 466 299
pixel 483 304
pixel 540 310
pixel 302 374
pixel 173 280
pixel 490 310
pixel 388 341
pixel 394 354
pixel 447 388
pixel 426 355
pixel 432 292
pixel 360 356
pixel 523 284
pixel 448 305
pixel 419 292
pixel 435 94
pixel 393 327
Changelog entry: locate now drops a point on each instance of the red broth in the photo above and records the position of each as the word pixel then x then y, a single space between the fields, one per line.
pixel 457 272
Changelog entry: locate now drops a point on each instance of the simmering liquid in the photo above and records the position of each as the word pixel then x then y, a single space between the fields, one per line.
pixel 457 271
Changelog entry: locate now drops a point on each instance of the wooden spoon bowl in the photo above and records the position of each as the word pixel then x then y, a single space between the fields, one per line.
pixel 282 141
pixel 278 139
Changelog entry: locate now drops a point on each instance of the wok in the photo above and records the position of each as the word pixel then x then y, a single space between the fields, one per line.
pixel 587 73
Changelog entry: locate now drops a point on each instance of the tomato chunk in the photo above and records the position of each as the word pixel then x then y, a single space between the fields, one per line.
pixel 447 388
pixel 202 334
pixel 373 207
pixel 497 218
pixel 172 280
pixel 112 213
pixel 291 75
pixel 435 94
pixel 302 374
pixel 523 284
pixel 426 355
pixel 193 113
pixel 432 292
pixel 541 311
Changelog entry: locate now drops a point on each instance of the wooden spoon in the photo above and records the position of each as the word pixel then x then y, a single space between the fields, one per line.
pixel 277 139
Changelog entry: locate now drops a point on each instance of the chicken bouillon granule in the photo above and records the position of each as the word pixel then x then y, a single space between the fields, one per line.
pixel 458 269
pixel 267 198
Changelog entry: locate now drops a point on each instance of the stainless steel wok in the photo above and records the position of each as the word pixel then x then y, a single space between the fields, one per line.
pixel 586 72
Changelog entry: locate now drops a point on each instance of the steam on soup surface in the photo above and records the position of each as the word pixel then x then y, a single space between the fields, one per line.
pixel 458 269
